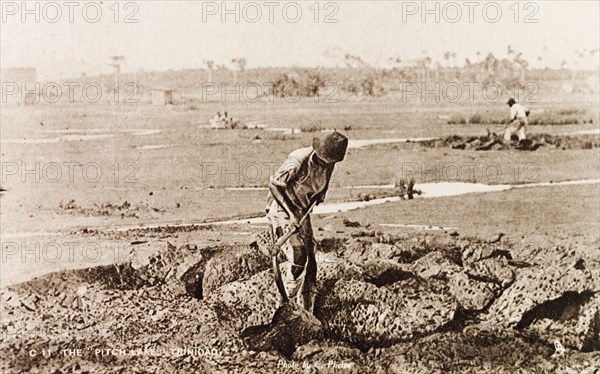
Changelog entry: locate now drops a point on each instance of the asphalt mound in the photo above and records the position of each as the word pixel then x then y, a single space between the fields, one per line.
pixel 494 142
pixel 401 304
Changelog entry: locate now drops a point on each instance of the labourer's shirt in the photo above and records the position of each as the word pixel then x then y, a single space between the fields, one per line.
pixel 518 111
pixel 302 177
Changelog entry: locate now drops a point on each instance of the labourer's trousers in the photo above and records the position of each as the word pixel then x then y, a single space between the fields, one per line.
pixel 519 128
pixel 299 268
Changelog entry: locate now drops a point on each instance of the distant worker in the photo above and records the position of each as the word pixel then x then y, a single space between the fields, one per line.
pixel 225 120
pixel 518 121
pixel 232 123
pixel 215 121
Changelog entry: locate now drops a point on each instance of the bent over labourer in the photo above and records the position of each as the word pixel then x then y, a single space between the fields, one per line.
pixel 518 121
pixel 296 186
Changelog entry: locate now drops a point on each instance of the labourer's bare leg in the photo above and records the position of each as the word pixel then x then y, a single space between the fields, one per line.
pixel 508 131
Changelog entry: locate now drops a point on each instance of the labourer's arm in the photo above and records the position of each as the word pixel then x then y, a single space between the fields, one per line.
pixel 513 118
pixel 512 112
pixel 280 195
pixel 320 197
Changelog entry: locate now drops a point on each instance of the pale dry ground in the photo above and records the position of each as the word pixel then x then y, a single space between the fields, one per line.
pixel 542 216
pixel 184 181
pixel 536 221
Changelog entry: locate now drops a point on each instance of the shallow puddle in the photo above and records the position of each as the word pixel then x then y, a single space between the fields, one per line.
pixel 73 135
pixel 584 132
pixel 65 138
pixel 143 147
pixel 429 190
pixel 359 143
pixel 418 227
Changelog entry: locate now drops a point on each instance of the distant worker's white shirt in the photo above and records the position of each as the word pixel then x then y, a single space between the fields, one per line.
pixel 518 118
pixel 518 111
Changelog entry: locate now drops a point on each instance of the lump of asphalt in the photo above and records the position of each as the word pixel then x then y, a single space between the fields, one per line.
pixel 369 316
pixel 234 264
pixel 559 294
pixel 292 326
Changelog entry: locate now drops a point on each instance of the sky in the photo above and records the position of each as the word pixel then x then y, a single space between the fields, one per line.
pixel 68 40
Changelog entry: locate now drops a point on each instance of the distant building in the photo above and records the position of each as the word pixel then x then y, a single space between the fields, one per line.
pixel 25 80
pixel 162 97
pixel 18 74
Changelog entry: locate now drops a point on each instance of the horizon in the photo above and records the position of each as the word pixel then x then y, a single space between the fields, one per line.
pixel 165 36
pixel 229 68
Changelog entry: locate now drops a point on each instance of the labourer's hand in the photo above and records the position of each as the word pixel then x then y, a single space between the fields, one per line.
pixel 320 200
pixel 275 249
pixel 295 226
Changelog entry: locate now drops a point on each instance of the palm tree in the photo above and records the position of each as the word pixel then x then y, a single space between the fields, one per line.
pixel 239 65
pixel 490 63
pixel 210 64
pixel 447 56
pixel 394 61
pixel 116 64
pixel 578 55
pixel 425 62
pixel 522 65
pixel 354 62
pixel 509 51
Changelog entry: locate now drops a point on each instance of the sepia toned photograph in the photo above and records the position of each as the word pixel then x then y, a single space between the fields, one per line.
pixel 300 186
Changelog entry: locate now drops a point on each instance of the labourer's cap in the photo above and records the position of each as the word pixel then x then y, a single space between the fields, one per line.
pixel 332 148
pixel 511 101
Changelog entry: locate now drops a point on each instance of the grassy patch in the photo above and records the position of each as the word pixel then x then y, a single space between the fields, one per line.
pixel 562 117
